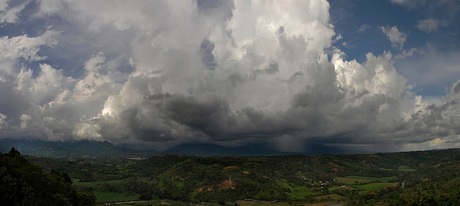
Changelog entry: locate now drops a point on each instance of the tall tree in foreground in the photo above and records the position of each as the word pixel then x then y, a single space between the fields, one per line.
pixel 22 183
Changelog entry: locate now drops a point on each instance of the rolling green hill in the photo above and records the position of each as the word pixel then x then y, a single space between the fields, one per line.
pixel 409 178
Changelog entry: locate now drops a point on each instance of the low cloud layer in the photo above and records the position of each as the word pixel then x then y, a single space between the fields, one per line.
pixel 162 73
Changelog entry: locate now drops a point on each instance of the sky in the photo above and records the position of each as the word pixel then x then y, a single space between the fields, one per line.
pixel 355 75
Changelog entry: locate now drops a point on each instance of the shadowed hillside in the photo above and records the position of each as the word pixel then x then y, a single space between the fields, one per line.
pixel 22 183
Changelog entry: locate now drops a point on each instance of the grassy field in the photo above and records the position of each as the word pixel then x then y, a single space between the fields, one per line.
pixel 328 198
pixel 259 203
pixel 104 196
pixel 332 188
pixel 297 192
pixel 94 184
pixel 404 168
pixel 365 184
pixel 179 203
pixel 375 179
pixel 113 197
pixel 371 187
pixel 324 204
pixel 300 192
pixel 351 180
pixel 157 202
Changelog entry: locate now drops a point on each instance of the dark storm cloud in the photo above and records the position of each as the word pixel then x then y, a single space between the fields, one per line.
pixel 206 48
pixel 456 88
pixel 222 9
pixel 12 103
pixel 272 68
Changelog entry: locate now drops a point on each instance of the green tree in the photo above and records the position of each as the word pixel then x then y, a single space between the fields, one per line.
pixel 23 183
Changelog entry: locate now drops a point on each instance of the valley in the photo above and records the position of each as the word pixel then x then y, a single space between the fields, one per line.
pixel 408 178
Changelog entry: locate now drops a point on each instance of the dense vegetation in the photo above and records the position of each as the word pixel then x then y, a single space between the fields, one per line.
pixel 22 183
pixel 410 178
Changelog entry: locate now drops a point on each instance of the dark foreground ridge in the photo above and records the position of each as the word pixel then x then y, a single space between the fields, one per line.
pixel 22 183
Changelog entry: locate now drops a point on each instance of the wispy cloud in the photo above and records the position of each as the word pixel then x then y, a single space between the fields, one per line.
pixel 428 25
pixel 396 37
pixel 408 53
pixel 363 28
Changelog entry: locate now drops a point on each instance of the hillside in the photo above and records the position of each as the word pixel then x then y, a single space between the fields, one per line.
pixel 409 178
pixel 22 183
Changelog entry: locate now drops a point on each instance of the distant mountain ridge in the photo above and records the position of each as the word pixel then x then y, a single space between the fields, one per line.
pixel 66 149
pixel 207 149
pixel 92 148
